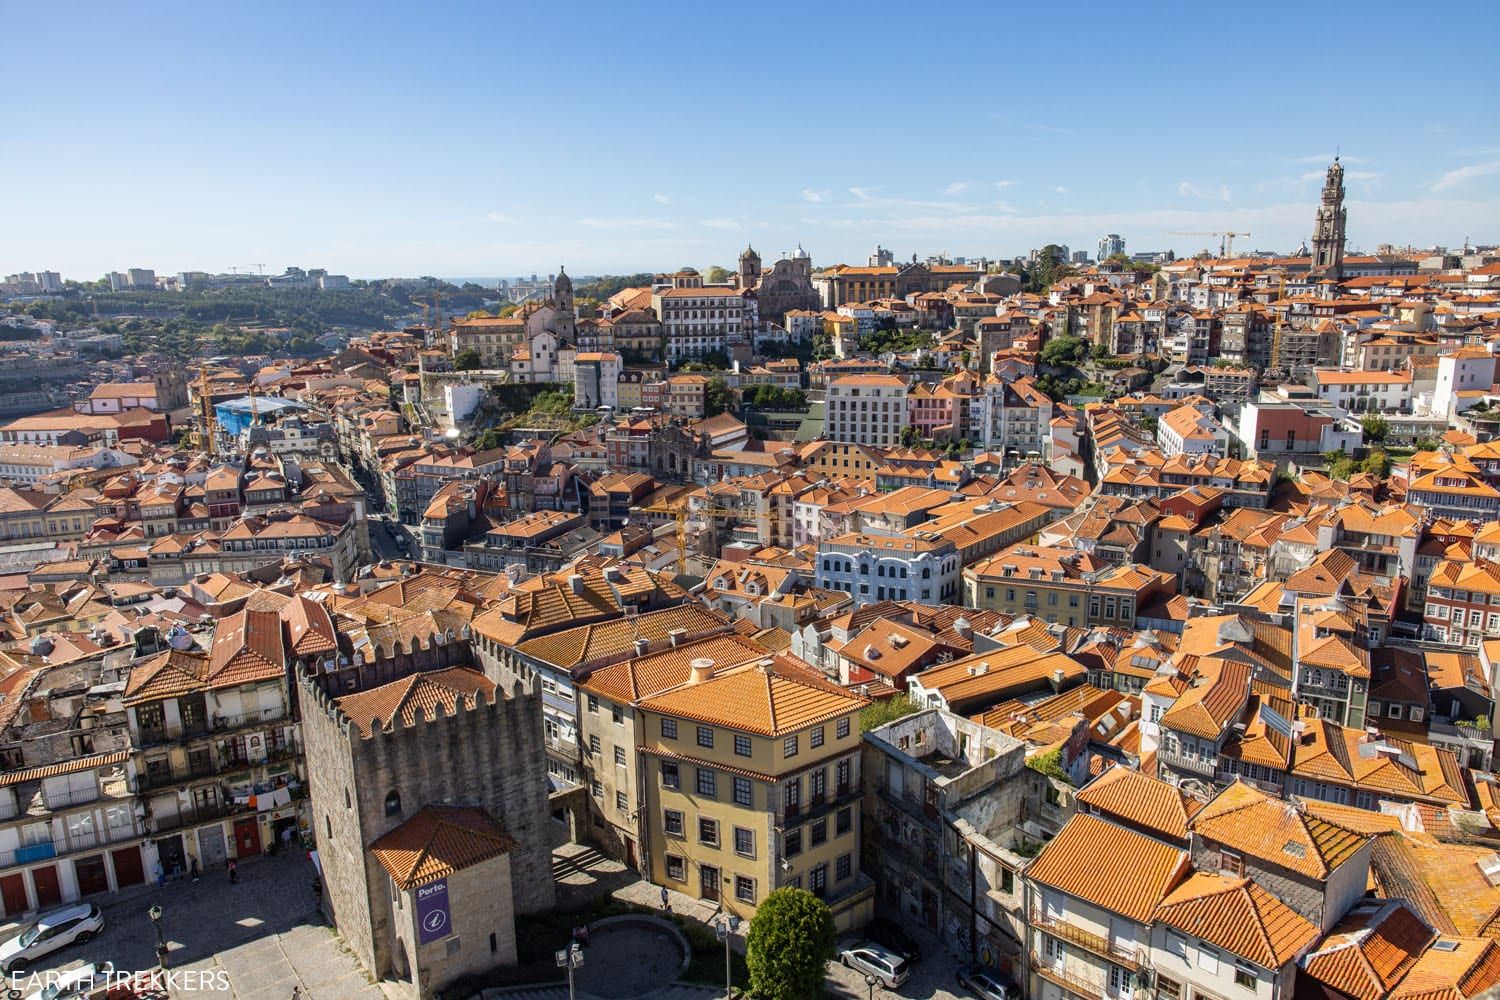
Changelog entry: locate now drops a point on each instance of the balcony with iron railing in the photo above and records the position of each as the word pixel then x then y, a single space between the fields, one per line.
pixel 73 840
pixel 152 779
pixel 1177 760
pixel 1065 975
pixel 188 816
pixel 1132 959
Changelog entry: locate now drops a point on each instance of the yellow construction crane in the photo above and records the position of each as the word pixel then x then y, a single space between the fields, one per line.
pixel 203 436
pixel 1226 239
pixel 681 513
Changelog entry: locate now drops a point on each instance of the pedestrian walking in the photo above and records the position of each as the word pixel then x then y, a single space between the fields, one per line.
pixel 160 874
pixel 193 871
pixel 234 872
pixel 666 900
pixel 286 837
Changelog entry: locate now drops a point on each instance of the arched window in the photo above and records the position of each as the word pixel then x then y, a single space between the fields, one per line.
pixel 393 803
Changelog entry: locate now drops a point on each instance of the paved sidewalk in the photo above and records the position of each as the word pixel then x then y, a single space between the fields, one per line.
pixel 264 933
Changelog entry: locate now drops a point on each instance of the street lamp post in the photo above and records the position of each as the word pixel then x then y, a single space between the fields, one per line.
pixel 161 938
pixel 870 982
pixel 726 925
pixel 570 958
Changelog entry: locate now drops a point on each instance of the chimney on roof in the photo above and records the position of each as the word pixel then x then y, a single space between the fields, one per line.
pixel 1057 680
pixel 641 645
pixel 702 670
pixel 575 583
pixel 676 636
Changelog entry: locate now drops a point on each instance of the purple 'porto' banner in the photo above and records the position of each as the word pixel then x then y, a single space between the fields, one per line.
pixel 432 912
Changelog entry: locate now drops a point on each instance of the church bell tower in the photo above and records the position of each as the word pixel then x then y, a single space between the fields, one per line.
pixel 1328 230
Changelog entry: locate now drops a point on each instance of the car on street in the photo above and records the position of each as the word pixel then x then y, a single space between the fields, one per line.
pixel 985 984
pixel 80 922
pixel 893 937
pixel 73 983
pixel 886 966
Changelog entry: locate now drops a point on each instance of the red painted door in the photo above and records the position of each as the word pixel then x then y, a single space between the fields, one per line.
pixel 48 891
pixel 91 875
pixel 13 893
pixel 246 838
pixel 129 870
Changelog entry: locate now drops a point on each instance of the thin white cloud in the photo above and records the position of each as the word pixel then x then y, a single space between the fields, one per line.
pixel 864 193
pixel 1060 189
pixel 661 199
pixel 501 218
pixel 1187 189
pixel 722 224
pixel 815 197
pixel 1454 178
pixel 1002 185
pixel 616 224
pixel 1053 129
pixel 957 187
pixel 1005 206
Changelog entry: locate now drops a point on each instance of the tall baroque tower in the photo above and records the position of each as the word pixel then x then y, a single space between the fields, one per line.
pixel 749 267
pixel 565 323
pixel 1328 231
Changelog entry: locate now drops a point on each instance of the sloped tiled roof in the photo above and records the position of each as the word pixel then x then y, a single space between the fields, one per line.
pixel 415 696
pixel 1239 916
pixel 1141 801
pixel 1245 819
pixel 439 841
pixel 1139 874
pixel 770 698
pixel 1370 950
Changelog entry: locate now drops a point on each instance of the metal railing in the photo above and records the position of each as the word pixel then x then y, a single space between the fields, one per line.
pixel 1099 945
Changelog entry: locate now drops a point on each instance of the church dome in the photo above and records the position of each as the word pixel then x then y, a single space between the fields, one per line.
pixel 563 281
pixel 800 253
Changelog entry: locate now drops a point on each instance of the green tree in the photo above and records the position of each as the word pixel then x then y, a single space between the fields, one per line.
pixel 717 397
pixel 1100 352
pixel 885 710
pixel 1050 265
pixel 717 275
pixel 466 361
pixel 1377 464
pixel 1376 428
pixel 790 942
pixel 1063 352
pixel 1341 465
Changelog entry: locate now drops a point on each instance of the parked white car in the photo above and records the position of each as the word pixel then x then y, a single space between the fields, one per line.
pixel 77 923
pixel 871 959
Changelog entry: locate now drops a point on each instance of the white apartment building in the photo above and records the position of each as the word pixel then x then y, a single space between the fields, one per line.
pixel 697 321
pixel 596 378
pixel 865 409
pixel 1463 378
pixel 1365 392
pixel 906 567
pixel 1188 430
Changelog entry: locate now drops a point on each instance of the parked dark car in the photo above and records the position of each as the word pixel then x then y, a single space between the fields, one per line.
pixel 894 937
pixel 986 985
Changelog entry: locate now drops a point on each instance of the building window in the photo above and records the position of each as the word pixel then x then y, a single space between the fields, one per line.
pixel 676 868
pixel 1208 959
pixel 789 747
pixel 791 797
pixel 819 832
pixel 817 880
pixel 708 831
pixel 791 845
pixel 1244 975
pixel 844 867
pixel 708 783
pixel 670 778
pixel 1177 945
pixel 672 822
pixel 841 729
pixel 815 738
pixel 1168 989
pixel 743 796
pixel 393 804
pixel 619 756
pixel 744 889
pixel 596 788
pixel 744 842
pixel 593 704
pixel 844 820
pixel 705 737
pixel 622 802
pixel 595 746
pixel 669 729
pixel 617 714
pixel 1231 862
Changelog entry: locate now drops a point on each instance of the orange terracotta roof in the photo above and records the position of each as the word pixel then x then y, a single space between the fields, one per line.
pixel 771 697
pixel 1141 801
pixel 1239 916
pixel 1245 819
pixel 415 697
pixel 439 841
pixel 1071 862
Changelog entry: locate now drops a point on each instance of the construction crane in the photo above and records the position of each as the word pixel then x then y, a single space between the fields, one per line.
pixel 681 513
pixel 203 437
pixel 1226 239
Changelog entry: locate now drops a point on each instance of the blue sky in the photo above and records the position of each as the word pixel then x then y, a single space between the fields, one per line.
pixel 486 139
